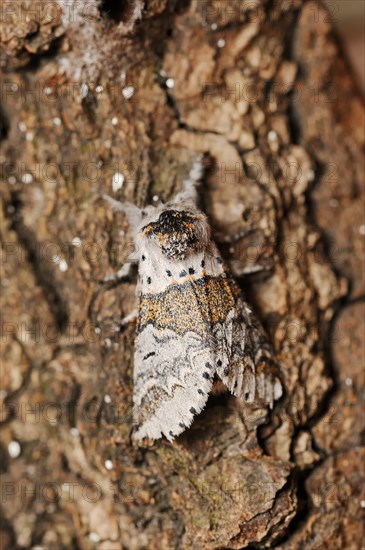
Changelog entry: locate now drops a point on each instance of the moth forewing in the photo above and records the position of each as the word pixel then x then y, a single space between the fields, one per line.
pixel 193 323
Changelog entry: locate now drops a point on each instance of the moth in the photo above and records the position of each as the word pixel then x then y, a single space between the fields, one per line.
pixel 194 327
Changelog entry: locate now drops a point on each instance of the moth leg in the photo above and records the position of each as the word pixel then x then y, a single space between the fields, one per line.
pixel 132 316
pixel 232 239
pixel 122 273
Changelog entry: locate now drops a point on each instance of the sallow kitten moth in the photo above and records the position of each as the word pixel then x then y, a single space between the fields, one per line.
pixel 194 326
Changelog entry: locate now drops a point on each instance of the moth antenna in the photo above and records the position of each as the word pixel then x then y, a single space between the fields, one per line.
pixel 137 9
pixel 132 212
pixel 189 193
pixel 117 206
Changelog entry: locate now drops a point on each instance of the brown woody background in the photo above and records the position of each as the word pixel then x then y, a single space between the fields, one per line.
pixel 95 97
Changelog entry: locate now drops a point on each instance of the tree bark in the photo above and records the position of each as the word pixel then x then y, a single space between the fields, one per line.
pixel 124 96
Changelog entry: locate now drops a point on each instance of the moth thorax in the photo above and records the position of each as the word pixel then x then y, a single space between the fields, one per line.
pixel 177 232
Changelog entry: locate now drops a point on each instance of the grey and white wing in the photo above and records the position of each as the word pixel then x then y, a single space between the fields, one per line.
pixel 174 359
pixel 173 376
pixel 248 369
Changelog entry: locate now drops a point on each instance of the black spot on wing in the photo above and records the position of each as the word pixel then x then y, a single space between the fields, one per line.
pixel 192 410
pixel 149 355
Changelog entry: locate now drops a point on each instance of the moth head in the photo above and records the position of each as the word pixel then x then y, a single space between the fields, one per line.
pixel 178 232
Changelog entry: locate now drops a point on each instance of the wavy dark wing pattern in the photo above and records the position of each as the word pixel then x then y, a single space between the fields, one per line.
pixel 172 381
pixel 175 350
pixel 193 324
pixel 249 370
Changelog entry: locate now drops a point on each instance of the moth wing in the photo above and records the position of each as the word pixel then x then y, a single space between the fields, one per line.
pixel 173 376
pixel 175 351
pixel 248 369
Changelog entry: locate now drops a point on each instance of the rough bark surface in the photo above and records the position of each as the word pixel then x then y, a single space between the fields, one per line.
pixel 96 92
